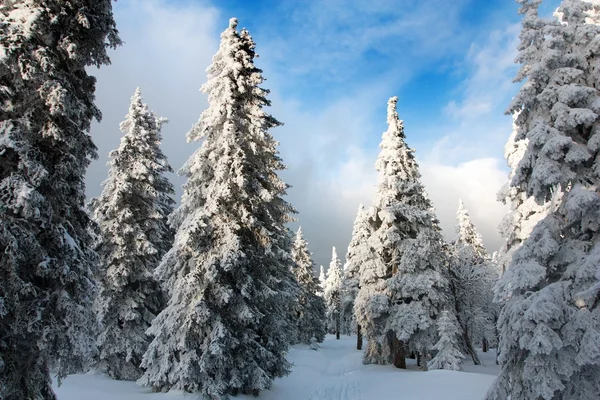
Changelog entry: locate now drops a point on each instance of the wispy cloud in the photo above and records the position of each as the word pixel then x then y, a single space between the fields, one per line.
pixel 331 68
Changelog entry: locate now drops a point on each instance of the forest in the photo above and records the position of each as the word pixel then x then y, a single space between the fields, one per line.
pixel 214 294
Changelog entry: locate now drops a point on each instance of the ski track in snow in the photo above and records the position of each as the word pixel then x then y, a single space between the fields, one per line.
pixel 340 385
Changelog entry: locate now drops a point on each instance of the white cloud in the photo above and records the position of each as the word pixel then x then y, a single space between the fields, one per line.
pixel 476 182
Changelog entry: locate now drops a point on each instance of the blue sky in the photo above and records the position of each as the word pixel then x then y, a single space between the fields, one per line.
pixel 331 66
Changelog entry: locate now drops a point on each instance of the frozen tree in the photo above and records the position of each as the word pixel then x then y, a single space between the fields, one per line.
pixel 132 216
pixel 46 263
pixel 229 271
pixel 354 259
pixel 592 13
pixel 549 325
pixel 525 212
pixel 467 234
pixel 310 307
pixel 333 295
pixel 402 279
pixel 448 354
pixel 472 280
pixel 322 279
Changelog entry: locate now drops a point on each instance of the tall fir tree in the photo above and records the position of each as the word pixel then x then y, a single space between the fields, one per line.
pixel 228 272
pixel 46 264
pixel 473 276
pixel 549 325
pixel 403 283
pixel 131 214
pixel 355 256
pixel 333 295
pixel 310 308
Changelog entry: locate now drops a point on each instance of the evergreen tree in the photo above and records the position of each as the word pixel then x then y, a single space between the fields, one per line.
pixel 310 308
pixel 549 325
pixel 46 264
pixel 354 259
pixel 228 272
pixel 322 279
pixel 333 295
pixel 525 212
pixel 132 216
pixel 448 354
pixel 472 280
pixel 402 281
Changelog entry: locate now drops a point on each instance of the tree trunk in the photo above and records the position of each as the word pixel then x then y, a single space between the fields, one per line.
pixel 418 359
pixel 484 345
pixel 399 354
pixel 470 350
pixel 466 345
pixel 337 328
pixel 358 338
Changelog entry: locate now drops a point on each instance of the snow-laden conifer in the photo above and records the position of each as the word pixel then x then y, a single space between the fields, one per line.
pixel 525 212
pixel 310 307
pixel 131 214
pixel 355 257
pixel 549 325
pixel 322 279
pixel 402 282
pixel 333 295
pixel 448 354
pixel 229 271
pixel 46 263
pixel 473 276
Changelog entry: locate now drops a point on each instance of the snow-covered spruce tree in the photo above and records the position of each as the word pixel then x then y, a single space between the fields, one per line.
pixel 525 212
pixel 46 264
pixel 322 279
pixel 350 283
pixel 132 216
pixel 333 295
pixel 549 325
pixel 310 308
pixel 473 276
pixel 448 354
pixel 356 256
pixel 402 281
pixel 229 271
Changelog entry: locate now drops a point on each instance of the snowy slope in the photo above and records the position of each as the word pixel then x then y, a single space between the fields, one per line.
pixel 334 372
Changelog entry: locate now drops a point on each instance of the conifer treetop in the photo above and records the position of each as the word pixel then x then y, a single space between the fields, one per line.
pixel 467 234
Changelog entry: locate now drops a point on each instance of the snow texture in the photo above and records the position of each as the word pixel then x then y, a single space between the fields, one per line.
pixel 335 372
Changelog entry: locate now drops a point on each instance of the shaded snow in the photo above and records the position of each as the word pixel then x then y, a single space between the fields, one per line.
pixel 335 371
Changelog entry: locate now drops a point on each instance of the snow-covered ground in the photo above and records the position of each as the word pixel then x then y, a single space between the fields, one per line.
pixel 334 372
